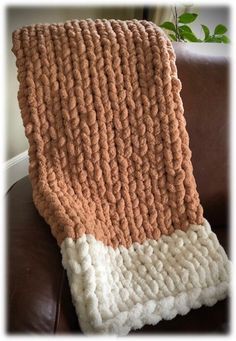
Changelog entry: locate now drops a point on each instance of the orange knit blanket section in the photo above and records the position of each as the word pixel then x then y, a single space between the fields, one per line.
pixel 109 152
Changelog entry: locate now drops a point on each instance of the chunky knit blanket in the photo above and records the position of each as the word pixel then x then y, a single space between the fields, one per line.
pixel 111 172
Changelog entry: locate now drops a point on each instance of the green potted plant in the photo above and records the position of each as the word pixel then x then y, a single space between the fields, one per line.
pixel 180 30
pixel 182 35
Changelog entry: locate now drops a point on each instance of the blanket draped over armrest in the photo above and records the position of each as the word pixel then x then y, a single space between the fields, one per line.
pixel 111 171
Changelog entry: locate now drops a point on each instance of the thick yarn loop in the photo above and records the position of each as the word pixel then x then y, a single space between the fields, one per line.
pixel 109 152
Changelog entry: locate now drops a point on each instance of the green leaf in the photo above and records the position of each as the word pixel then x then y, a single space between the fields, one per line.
pixel 187 18
pixel 190 37
pixel 213 39
pixel 185 28
pixel 173 37
pixel 168 26
pixel 225 39
pixel 206 31
pixel 210 39
pixel 220 29
pixel 217 40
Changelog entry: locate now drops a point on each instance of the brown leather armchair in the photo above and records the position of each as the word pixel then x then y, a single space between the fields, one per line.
pixel 39 299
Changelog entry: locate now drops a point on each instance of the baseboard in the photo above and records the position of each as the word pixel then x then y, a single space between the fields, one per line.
pixel 15 169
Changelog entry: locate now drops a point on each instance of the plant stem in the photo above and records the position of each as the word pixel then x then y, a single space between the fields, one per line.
pixel 176 24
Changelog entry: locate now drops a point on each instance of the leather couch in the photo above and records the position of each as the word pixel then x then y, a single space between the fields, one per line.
pixel 38 296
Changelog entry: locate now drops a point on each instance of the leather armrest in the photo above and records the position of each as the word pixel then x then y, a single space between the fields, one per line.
pixel 34 265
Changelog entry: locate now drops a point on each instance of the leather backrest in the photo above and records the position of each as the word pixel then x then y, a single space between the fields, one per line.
pixel 205 97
